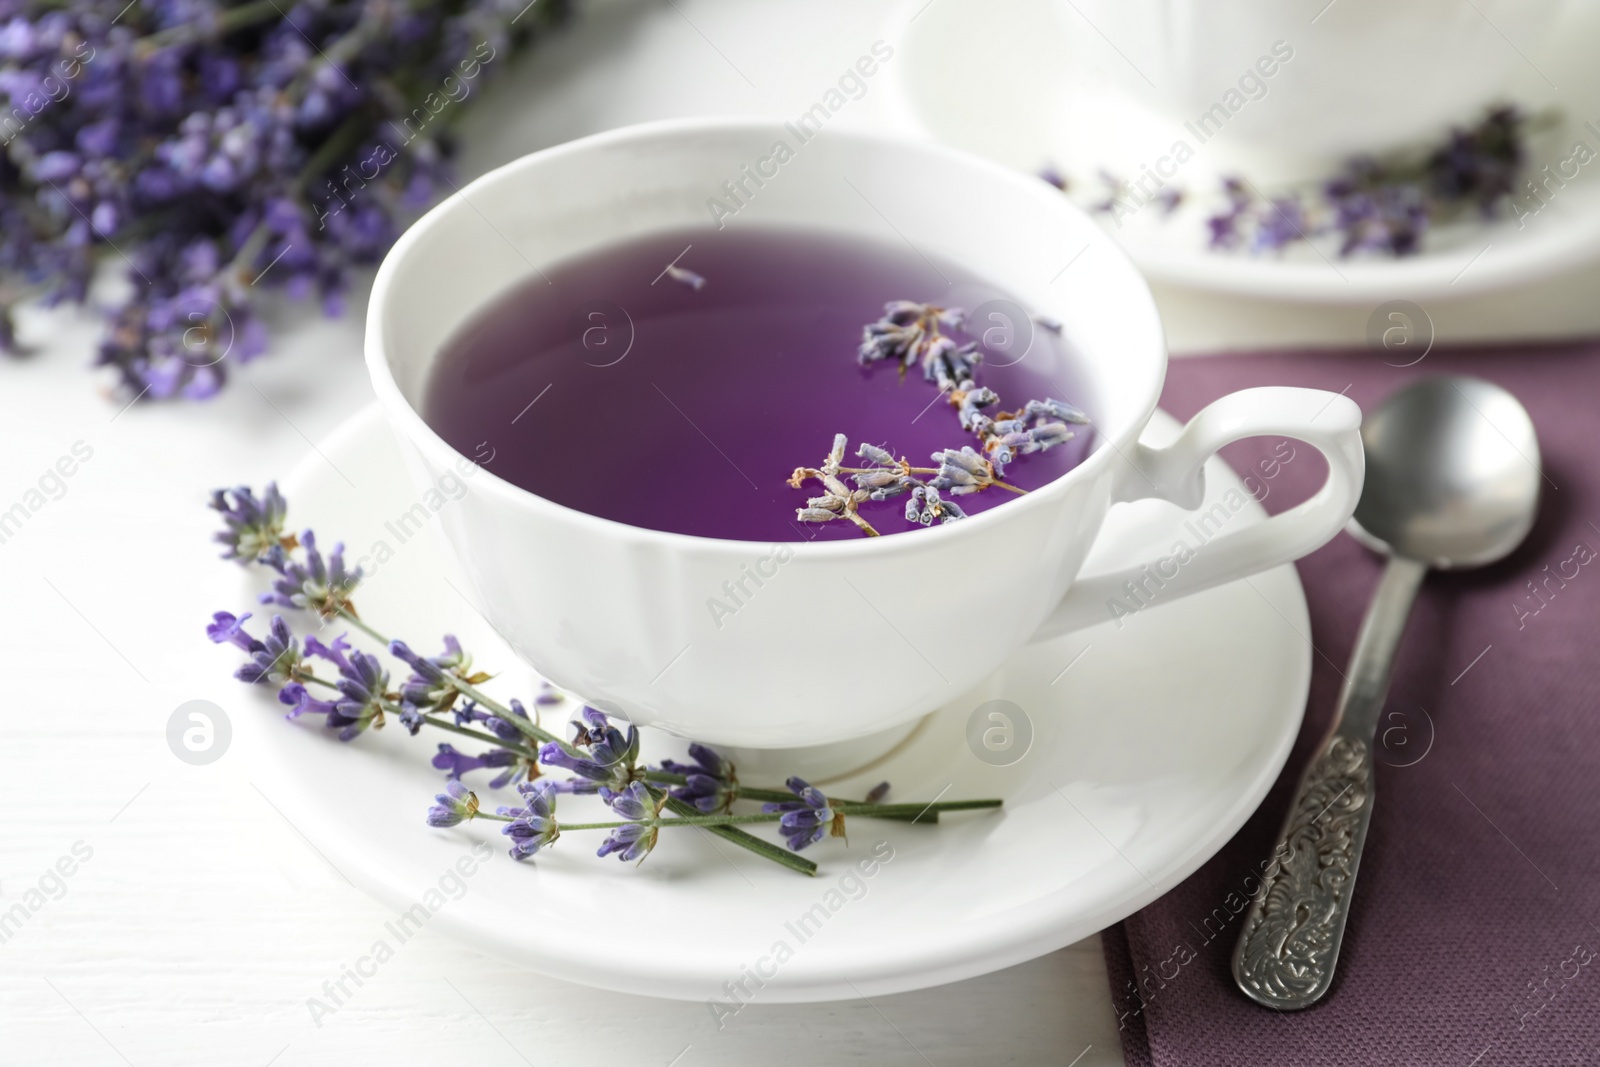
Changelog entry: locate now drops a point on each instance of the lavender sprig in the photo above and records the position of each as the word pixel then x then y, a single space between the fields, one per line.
pixel 910 332
pixel 1383 206
pixel 442 692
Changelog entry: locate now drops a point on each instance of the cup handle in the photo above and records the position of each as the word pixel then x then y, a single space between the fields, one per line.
pixel 1329 422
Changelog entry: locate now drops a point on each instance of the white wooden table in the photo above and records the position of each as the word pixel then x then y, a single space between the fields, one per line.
pixel 201 921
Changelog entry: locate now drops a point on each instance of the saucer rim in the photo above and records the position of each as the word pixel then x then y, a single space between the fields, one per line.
pixel 992 943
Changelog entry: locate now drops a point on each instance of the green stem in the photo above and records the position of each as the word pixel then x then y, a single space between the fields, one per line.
pixel 736 836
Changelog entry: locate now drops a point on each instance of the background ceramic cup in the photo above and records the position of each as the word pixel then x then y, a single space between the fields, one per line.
pixel 839 639
pixel 1310 77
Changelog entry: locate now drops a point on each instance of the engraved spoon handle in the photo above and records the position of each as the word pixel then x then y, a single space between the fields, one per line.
pixel 1289 943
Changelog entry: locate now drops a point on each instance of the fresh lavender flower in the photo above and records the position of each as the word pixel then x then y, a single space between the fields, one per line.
pixel 319 586
pixel 807 819
pixel 454 806
pixel 301 702
pixel 1282 223
pixel 455 763
pixel 470 712
pixel 429 687
pixel 254 527
pixel 711 785
pixel 635 840
pixel 274 659
pixel 363 685
pixel 610 755
pixel 548 695
pixel 534 825
pixel 1480 165
pixel 228 629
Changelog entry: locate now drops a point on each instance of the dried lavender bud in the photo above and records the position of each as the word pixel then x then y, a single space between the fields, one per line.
pixel 875 455
pixel 836 454
pixel 685 276
pixel 973 398
pixel 1048 435
pixel 906 332
pixel 1055 409
pixel 947 365
pixel 925 506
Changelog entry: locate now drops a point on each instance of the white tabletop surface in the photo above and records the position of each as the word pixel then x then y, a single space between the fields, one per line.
pixel 203 921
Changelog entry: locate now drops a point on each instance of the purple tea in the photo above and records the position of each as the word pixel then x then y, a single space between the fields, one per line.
pixel 677 381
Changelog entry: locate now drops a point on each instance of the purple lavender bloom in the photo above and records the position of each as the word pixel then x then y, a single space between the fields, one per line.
pixel 362 685
pixel 455 763
pixel 1480 165
pixel 275 659
pixel 807 819
pixel 548 695
pixel 1052 175
pixel 1282 223
pixel 301 702
pixel 429 687
pixel 635 840
pixel 503 728
pixel 315 585
pixel 534 825
pixel 278 658
pixel 454 806
pixel 227 628
pixel 254 527
pixel 711 785
pixel 609 756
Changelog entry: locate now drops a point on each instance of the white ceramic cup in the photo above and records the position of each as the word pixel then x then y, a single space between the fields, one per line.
pixel 1316 78
pixel 846 638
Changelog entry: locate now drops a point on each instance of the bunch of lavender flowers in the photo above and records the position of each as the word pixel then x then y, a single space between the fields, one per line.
pixel 910 333
pixel 351 691
pixel 217 149
pixel 1381 206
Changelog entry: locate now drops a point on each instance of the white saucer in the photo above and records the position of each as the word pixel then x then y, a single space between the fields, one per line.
pixel 1152 745
pixel 994 79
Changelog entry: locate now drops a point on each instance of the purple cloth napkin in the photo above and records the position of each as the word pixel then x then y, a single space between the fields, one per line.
pixel 1473 935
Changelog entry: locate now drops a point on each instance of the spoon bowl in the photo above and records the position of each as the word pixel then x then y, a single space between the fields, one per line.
pixel 1452 474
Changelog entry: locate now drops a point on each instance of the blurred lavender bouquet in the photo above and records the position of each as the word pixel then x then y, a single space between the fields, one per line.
pixel 217 150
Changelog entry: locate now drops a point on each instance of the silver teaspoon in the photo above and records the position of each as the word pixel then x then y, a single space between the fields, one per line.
pixel 1452 481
